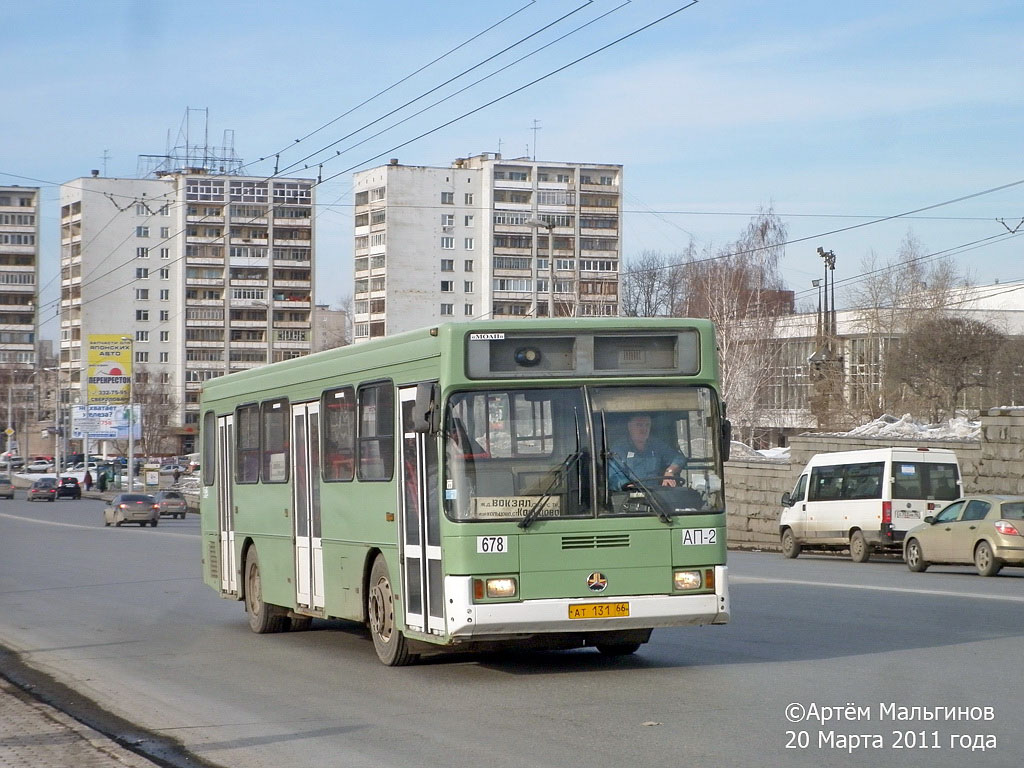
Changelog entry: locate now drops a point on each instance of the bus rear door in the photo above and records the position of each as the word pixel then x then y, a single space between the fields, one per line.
pixel 225 504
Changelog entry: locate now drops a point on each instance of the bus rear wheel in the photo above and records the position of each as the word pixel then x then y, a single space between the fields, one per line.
pixel 388 641
pixel 263 617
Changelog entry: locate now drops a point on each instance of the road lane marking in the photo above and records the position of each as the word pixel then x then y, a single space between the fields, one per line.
pixel 906 590
pixel 79 525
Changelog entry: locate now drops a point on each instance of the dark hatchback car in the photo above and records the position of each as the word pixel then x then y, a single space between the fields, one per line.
pixel 69 488
pixel 172 504
pixel 45 489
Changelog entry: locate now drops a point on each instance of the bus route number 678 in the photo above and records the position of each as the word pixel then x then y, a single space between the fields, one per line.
pixel 491 545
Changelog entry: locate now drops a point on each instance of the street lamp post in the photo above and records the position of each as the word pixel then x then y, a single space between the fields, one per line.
pixel 131 415
pixel 536 222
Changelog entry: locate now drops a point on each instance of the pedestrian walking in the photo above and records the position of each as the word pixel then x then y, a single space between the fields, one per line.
pixel 177 476
pixel 102 484
pixel 88 480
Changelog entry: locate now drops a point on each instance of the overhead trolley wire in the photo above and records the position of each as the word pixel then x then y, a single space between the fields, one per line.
pixel 396 83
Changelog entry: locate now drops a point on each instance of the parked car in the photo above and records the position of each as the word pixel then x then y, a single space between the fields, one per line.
pixel 987 531
pixel 69 488
pixel 39 465
pixel 6 487
pixel 138 508
pixel 170 469
pixel 171 503
pixel 44 488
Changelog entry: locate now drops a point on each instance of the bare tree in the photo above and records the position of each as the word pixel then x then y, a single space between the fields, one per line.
pixel 892 297
pixel 740 289
pixel 157 408
pixel 941 358
pixel 653 283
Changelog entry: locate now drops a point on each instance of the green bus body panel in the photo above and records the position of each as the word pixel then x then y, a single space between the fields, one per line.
pixel 354 514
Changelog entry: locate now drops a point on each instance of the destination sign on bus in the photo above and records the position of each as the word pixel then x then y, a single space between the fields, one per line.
pixel 502 507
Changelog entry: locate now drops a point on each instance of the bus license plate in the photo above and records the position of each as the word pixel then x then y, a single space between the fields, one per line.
pixel 599 611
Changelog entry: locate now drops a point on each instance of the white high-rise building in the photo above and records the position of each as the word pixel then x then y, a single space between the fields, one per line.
pixel 485 238
pixel 206 273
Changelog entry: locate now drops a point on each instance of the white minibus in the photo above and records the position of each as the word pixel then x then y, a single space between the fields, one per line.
pixel 866 500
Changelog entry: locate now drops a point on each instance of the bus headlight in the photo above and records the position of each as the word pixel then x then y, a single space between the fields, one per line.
pixel 503 587
pixel 684 580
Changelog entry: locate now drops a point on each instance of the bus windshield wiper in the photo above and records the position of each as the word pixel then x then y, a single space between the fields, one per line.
pixel 649 494
pixel 558 472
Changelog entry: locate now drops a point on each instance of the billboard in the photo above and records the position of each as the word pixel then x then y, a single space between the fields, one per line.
pixel 109 369
pixel 104 422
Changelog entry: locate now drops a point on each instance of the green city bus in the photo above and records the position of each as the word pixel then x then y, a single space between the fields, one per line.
pixel 466 486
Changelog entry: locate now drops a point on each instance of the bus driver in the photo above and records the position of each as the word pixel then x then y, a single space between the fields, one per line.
pixel 644 458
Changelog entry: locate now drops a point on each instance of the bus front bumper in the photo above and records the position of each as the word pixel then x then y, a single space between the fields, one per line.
pixel 467 619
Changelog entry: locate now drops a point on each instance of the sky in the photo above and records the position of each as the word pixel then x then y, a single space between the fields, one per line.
pixel 834 115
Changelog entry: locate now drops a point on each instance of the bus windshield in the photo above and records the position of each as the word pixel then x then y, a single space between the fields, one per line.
pixel 578 452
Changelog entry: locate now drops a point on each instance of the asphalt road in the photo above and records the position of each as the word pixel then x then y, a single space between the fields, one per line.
pixel 121 615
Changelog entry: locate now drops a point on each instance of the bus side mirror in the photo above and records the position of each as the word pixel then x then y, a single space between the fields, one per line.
pixel 426 412
pixel 726 438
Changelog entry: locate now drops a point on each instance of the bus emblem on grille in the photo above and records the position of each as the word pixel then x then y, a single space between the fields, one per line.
pixel 596 582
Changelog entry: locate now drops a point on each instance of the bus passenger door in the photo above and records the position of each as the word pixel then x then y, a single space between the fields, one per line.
pixel 309 555
pixel 420 525
pixel 225 504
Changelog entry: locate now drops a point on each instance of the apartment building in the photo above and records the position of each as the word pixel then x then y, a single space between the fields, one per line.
pixel 19 285
pixel 206 273
pixel 484 238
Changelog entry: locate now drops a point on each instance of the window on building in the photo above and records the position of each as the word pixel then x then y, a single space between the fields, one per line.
pixel 142 314
pixel 165 232
pixel 165 357
pixel 142 357
pixel 142 335
pixel 447 265
pixel 165 294
pixel 468 310
pixel 141 209
pixel 165 273
pixel 165 335
pixel 141 273
pixel 467 265
pixel 142 231
pixel 164 315
pixel 468 243
pixel 165 253
pixel 447 219
pixel 142 253
pixel 469 221
pixel 447 310
pixel 141 294
pixel 448 243
pixel 467 286
pixel 469 198
pixel 447 198
pixel 447 286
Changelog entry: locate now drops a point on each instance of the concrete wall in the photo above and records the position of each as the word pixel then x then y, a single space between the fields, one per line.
pixel 992 464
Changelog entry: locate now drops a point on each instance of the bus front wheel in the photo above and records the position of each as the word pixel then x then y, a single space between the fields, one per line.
pixel 388 641
pixel 263 617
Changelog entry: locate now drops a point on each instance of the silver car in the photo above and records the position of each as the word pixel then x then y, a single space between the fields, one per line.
pixel 985 530
pixel 138 508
